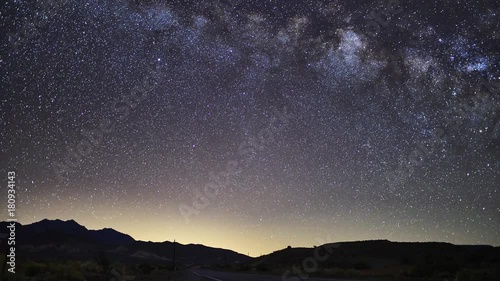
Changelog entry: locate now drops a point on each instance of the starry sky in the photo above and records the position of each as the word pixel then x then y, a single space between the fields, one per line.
pixel 254 125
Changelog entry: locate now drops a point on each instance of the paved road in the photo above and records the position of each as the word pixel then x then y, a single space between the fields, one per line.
pixel 230 276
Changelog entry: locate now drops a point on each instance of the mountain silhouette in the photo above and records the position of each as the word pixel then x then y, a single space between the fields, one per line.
pixel 57 239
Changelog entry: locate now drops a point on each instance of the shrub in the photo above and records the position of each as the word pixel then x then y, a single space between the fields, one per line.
pixel 32 269
pixel 145 268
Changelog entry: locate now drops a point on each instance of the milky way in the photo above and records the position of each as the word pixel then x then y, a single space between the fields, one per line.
pixel 254 125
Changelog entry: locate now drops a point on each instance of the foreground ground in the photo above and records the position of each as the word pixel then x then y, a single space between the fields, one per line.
pixel 206 275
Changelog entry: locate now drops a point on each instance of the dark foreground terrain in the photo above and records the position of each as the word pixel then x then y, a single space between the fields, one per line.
pixel 230 276
pixel 66 251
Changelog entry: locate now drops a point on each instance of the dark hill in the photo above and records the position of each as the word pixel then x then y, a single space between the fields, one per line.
pixel 68 240
pixel 383 258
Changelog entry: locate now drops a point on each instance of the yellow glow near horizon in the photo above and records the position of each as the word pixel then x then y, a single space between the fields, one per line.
pixel 252 237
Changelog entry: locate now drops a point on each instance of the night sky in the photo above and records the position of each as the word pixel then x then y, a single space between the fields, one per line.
pixel 254 125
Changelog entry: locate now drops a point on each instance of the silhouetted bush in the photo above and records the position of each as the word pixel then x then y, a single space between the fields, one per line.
pixel 145 268
pixel 32 269
pixel 63 271
pixel 91 266
pixel 422 270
